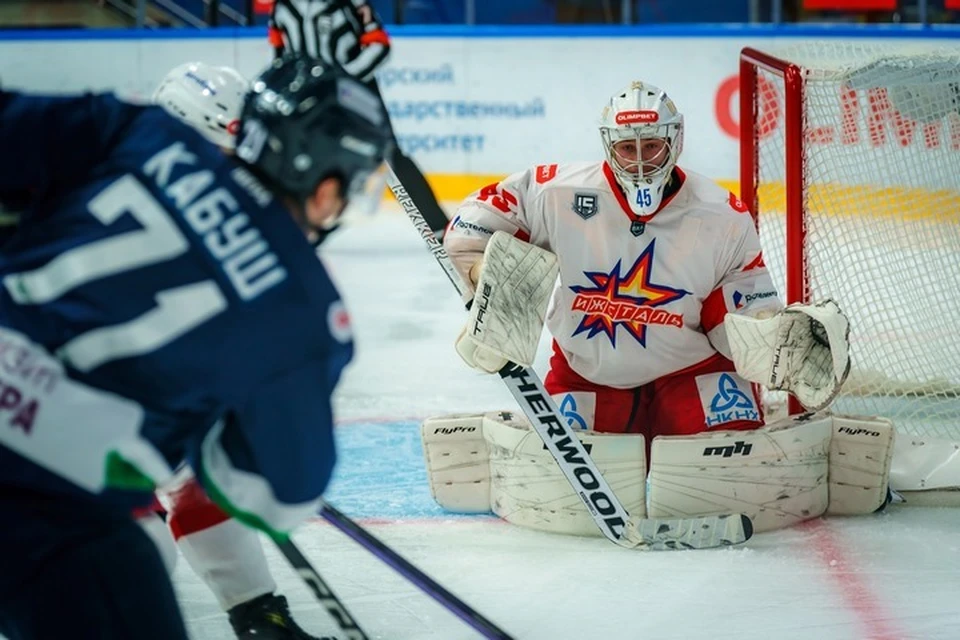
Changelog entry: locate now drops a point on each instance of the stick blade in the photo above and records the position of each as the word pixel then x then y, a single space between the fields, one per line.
pixel 706 532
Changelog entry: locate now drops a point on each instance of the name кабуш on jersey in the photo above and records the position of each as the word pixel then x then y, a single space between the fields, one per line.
pixel 247 260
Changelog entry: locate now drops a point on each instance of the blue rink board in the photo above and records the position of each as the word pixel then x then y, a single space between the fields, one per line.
pixel 380 473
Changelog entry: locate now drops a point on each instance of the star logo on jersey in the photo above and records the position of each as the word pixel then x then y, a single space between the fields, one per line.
pixel 629 301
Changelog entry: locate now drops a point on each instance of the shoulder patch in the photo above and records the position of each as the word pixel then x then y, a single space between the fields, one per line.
pixel 338 321
pixel 737 204
pixel 545 173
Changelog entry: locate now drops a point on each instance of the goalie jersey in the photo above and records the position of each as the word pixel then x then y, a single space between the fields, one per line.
pixel 639 297
pixel 159 270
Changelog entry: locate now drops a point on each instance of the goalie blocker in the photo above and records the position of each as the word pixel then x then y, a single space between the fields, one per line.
pixel 789 471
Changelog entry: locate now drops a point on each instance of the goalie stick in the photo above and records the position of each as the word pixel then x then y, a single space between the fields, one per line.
pixel 601 502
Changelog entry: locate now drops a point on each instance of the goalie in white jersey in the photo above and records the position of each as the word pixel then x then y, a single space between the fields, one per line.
pixel 665 323
pixel 652 258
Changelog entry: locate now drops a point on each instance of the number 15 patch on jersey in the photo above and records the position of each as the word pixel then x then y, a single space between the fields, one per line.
pixel 726 397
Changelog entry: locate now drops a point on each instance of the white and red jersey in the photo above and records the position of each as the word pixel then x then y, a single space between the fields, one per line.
pixel 639 297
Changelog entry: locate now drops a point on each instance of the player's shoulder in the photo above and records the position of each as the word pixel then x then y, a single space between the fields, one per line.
pixel 705 195
pixel 563 176
pixel 151 129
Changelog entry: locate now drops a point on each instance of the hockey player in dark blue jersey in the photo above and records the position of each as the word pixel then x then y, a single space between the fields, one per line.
pixel 158 301
pixel 226 554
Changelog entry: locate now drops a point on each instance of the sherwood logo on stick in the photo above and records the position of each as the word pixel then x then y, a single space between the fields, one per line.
pixel 409 206
pixel 587 485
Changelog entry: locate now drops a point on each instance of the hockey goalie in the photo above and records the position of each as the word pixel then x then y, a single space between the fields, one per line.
pixel 665 323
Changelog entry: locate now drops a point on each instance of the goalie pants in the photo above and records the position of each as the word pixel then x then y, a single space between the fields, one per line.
pixel 708 395
pixel 74 568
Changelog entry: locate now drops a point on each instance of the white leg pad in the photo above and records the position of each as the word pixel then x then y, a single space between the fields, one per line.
pixel 528 489
pixel 924 464
pixel 860 453
pixel 776 475
pixel 458 467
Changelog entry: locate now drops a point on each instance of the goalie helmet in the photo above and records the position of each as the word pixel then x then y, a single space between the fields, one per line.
pixel 642 134
pixel 305 121
pixel 207 98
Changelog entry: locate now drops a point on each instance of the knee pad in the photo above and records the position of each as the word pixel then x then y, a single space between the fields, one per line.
pixel 792 470
pixel 496 461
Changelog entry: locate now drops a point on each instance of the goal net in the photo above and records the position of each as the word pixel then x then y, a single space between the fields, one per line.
pixel 850 160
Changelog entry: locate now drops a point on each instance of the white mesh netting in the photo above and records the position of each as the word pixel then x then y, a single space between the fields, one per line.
pixel 882 212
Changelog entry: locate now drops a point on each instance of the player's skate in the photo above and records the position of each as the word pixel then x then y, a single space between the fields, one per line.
pixel 267 618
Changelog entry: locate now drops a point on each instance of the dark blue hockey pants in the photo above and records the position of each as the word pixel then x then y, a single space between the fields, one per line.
pixel 75 569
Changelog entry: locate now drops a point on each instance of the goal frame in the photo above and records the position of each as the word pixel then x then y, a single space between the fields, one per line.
pixel 751 61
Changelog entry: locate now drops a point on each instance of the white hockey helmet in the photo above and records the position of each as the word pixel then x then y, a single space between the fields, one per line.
pixel 642 134
pixel 206 97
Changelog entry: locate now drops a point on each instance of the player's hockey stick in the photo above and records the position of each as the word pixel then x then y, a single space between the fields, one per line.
pixel 420 190
pixel 368 541
pixel 321 590
pixel 421 580
pixel 574 461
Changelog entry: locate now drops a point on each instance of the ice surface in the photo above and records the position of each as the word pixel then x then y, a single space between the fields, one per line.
pixel 889 577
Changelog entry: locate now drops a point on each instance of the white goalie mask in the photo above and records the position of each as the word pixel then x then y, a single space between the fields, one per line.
pixel 207 98
pixel 642 134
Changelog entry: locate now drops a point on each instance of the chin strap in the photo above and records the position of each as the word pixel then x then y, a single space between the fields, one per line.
pixel 317 236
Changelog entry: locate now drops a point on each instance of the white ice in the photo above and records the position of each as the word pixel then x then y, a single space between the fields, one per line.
pixel 887 577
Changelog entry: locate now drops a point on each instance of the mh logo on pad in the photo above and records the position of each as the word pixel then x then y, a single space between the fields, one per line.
pixel 738 447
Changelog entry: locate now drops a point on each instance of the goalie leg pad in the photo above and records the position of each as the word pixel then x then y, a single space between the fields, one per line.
pixel 458 467
pixel 924 464
pixel 776 475
pixel 528 489
pixel 860 453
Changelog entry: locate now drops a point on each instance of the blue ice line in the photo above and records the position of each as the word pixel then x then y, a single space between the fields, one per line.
pixel 380 473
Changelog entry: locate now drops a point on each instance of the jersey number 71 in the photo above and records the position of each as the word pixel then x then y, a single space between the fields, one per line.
pixel 177 311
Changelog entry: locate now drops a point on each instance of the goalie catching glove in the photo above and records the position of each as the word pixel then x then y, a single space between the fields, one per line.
pixel 804 349
pixel 506 318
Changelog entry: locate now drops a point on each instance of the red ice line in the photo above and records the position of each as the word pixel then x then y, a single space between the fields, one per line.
pixel 857 595
pixel 869 609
